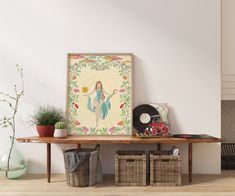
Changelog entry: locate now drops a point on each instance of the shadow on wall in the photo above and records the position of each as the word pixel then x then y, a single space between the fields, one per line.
pixel 174 124
pixel 139 83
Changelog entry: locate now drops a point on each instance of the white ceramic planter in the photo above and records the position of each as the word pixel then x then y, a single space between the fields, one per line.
pixel 60 133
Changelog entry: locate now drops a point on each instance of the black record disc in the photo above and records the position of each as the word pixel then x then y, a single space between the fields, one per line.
pixel 143 116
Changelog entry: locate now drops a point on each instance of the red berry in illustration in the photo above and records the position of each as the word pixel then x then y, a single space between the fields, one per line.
pixel 75 105
pixel 122 105
pixel 76 90
pixel 122 90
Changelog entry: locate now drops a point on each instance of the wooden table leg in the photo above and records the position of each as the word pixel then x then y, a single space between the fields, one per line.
pixel 190 162
pixel 158 146
pixel 79 146
pixel 48 162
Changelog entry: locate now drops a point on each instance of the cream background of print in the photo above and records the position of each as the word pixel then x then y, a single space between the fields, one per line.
pixel 110 80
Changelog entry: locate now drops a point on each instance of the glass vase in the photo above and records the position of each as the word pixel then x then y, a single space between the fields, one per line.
pixel 17 166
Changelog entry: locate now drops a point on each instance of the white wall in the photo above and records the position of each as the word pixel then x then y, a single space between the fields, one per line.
pixel 228 31
pixel 228 50
pixel 177 60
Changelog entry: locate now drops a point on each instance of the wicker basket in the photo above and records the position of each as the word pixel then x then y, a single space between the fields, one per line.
pixel 130 168
pixel 165 170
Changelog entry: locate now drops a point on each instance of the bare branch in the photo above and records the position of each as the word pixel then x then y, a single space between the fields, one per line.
pixel 8 102
pixel 15 89
pixel 20 70
pixel 7 95
pixel 11 107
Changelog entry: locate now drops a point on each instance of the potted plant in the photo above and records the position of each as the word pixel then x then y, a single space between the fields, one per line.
pixel 45 118
pixel 60 130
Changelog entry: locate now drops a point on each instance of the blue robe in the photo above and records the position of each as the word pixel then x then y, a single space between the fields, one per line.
pixel 106 105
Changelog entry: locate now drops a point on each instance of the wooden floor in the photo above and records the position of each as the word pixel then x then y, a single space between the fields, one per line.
pixel 36 185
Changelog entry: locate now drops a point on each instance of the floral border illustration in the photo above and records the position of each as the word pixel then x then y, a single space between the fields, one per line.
pixel 99 62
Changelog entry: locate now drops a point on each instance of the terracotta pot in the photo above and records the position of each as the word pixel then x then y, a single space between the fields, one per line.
pixel 45 131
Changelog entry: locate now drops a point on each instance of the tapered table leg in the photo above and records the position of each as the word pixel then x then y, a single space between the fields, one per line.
pixel 190 162
pixel 48 163
pixel 158 146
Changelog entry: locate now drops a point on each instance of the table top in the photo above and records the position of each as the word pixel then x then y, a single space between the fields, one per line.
pixel 115 140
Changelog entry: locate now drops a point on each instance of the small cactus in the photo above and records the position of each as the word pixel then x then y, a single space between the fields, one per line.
pixel 60 125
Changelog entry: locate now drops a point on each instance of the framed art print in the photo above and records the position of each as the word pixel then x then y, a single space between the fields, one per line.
pixel 99 95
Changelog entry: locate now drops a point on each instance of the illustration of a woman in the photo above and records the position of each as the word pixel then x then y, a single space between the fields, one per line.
pixel 100 105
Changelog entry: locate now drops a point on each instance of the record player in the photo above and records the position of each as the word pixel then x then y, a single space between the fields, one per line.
pixel 151 120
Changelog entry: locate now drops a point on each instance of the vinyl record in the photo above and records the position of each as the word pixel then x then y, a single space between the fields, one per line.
pixel 143 116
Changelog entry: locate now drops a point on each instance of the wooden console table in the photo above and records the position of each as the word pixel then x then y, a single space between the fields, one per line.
pixel 116 140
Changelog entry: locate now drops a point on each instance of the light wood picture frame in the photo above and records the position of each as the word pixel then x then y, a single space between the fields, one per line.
pixel 99 94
